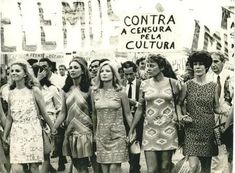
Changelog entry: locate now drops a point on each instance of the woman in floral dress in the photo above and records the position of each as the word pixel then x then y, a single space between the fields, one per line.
pixel 23 124
pixel 110 105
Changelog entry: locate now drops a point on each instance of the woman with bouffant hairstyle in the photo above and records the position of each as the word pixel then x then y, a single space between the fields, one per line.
pixel 202 102
pixel 110 105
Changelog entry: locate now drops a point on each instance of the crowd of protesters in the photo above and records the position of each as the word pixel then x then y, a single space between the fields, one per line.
pixel 95 113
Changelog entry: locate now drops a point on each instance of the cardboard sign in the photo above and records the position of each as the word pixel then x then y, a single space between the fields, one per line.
pixel 158 32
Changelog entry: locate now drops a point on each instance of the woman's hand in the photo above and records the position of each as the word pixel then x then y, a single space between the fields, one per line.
pixel 131 136
pixel 186 118
pixel 53 131
pixel 5 144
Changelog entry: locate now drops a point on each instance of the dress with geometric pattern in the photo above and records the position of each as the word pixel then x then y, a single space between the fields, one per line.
pixel 159 131
pixel 78 125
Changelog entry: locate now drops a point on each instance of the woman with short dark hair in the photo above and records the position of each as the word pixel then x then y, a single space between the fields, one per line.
pixel 160 138
pixel 202 101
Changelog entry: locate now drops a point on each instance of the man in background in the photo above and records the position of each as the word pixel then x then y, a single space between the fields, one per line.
pixel 132 89
pixel 221 76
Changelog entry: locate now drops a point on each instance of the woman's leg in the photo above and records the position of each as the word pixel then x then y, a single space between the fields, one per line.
pixel 194 163
pixel 205 164
pixel 2 168
pixel 166 157
pixel 8 165
pixel 17 168
pixel 34 167
pixel 46 165
pixel 152 161
pixel 95 166
pixel 115 168
pixel 81 165
pixel 105 168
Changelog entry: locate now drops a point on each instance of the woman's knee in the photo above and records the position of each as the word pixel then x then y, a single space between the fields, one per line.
pixel 16 168
pixel 152 161
pixel 115 168
pixel 34 167
pixel 194 165
pixel 152 168
pixel 166 165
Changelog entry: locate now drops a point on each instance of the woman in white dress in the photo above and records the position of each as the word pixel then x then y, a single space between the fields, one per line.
pixel 23 124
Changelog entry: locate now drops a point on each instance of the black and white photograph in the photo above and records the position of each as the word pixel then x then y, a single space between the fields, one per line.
pixel 116 86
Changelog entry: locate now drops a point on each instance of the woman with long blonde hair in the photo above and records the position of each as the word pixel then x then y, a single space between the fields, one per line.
pixel 23 123
pixel 110 105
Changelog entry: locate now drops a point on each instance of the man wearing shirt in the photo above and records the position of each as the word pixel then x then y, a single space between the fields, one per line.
pixel 132 90
pixel 221 76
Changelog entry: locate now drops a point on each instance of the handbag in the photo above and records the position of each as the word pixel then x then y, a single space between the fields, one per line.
pixel 182 166
pixel 179 125
pixel 135 147
pixel 218 131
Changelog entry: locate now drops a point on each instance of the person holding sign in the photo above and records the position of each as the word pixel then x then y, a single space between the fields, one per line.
pixel 160 138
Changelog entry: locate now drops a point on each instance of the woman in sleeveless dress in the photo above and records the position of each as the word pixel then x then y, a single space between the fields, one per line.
pixel 160 138
pixel 23 124
pixel 110 106
pixel 76 111
pixel 202 100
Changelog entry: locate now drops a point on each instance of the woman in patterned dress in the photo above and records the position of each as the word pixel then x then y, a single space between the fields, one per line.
pixel 110 105
pixel 23 124
pixel 76 111
pixel 201 97
pixel 159 132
